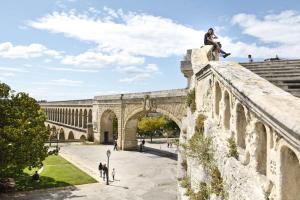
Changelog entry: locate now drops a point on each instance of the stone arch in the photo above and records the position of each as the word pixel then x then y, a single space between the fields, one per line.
pixel 241 124
pixel 72 117
pixel 76 118
pixel 80 118
pixel 84 118
pixel 261 151
pixel 227 111
pixel 107 130
pixel 218 97
pixel 290 174
pixel 61 134
pixel 82 138
pixel 130 126
pixel 71 136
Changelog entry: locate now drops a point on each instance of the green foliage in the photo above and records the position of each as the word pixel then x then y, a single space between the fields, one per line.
pixel 233 152
pixel 184 165
pixel 57 173
pixel 266 195
pixel 147 126
pixel 200 148
pixel 185 182
pixel 22 132
pixel 203 192
pixel 191 100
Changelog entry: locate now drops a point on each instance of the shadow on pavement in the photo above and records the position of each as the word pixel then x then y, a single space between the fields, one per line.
pixel 159 152
pixel 57 193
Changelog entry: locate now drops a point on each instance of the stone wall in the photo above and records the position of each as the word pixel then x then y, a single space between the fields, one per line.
pixel 261 119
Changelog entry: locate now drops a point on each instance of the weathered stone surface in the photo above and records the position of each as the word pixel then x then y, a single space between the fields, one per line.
pixel 263 120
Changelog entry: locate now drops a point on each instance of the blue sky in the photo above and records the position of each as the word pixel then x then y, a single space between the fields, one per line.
pixel 76 49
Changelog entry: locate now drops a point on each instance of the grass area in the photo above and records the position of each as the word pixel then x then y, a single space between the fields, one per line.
pixel 57 173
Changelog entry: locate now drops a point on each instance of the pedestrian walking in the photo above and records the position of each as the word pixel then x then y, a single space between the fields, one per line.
pixel 104 171
pixel 100 167
pixel 115 145
pixel 113 173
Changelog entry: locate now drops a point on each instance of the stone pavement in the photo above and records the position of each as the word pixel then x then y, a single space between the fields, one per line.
pixel 146 176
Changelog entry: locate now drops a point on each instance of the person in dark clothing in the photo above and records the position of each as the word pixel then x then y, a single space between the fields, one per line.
pixel 100 169
pixel 209 40
pixel 143 142
pixel 105 169
pixel 36 177
pixel 250 58
pixel 115 145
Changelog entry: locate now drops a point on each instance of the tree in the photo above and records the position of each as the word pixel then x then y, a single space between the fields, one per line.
pixel 148 125
pixel 22 132
pixel 170 128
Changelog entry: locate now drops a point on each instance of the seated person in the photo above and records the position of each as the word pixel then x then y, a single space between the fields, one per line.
pixel 36 177
pixel 209 40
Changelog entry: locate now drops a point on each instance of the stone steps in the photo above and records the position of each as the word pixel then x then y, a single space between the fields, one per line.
pixel 284 73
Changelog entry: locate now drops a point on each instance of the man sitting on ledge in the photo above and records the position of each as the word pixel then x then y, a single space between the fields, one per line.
pixel 209 40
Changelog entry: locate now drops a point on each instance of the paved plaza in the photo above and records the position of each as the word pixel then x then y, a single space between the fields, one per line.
pixel 149 175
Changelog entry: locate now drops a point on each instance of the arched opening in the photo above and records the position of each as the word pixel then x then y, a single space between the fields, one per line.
pixel 71 136
pixel 154 124
pixel 61 134
pixel 80 118
pixel 60 115
pixel 290 174
pixel 85 118
pixel 82 138
pixel 109 127
pixel 218 96
pixel 73 116
pixel 90 117
pixel 261 152
pixel 53 133
pixel 76 118
pixel 241 124
pixel 66 117
pixel 227 112
pixel 90 132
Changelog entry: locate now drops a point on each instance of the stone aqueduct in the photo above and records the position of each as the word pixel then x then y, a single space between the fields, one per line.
pixel 93 118
pixel 263 119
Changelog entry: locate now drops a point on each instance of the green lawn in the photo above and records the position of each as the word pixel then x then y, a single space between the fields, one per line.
pixel 57 173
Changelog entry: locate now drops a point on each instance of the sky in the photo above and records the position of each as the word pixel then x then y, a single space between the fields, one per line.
pixel 78 49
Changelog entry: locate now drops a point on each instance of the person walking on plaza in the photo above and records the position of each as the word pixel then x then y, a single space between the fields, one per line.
pixel 104 171
pixel 100 167
pixel 209 40
pixel 113 173
pixel 115 145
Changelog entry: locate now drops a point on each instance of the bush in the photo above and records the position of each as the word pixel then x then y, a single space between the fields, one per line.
pixel 191 100
pixel 200 148
pixel 184 165
pixel 233 152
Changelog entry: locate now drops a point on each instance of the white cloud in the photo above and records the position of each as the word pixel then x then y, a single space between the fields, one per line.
pixel 70 69
pixel 8 50
pixel 61 82
pixel 281 30
pixel 135 74
pixel 133 33
pixel 98 59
